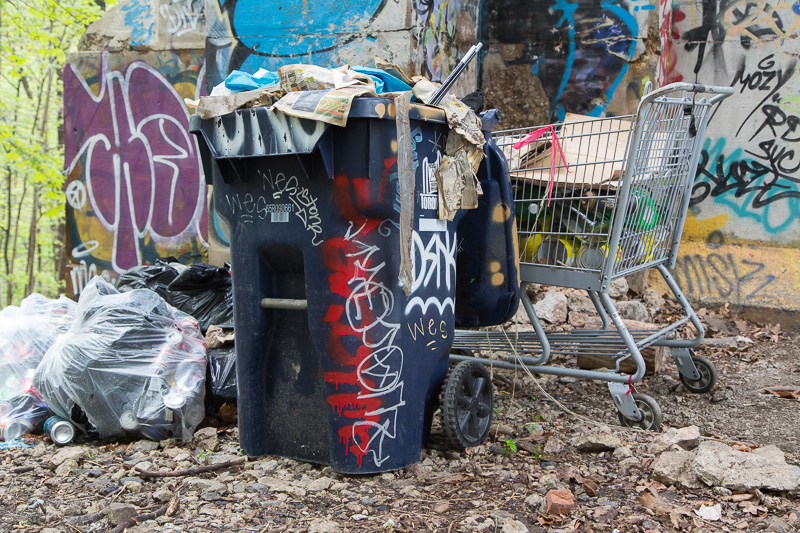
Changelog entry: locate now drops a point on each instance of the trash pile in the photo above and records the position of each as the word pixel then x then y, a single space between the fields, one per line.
pixel 124 361
pixel 26 334
pixel 326 95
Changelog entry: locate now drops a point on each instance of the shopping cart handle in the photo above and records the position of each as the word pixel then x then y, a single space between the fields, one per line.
pixel 720 93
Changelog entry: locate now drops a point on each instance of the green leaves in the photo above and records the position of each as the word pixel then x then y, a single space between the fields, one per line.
pixel 35 38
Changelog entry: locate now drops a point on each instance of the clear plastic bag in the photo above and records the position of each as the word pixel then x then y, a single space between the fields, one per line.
pixel 130 364
pixel 26 333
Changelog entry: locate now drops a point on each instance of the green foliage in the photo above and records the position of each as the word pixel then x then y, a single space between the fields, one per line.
pixel 510 446
pixel 35 38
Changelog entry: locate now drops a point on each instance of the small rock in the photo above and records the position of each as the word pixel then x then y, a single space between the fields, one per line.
pixel 722 492
pixel 560 502
pixel 580 303
pixel 552 307
pixel 629 464
pixel 206 439
pixel 65 454
pixel 163 494
pixel 145 446
pixel 605 514
pixel 617 288
pixel 776 525
pixel 323 483
pixel 66 467
pixel 320 525
pixel 206 485
pixel 633 310
pixel 720 342
pixel 535 502
pixel 596 440
pixel 553 446
pixel 514 526
pixel 674 468
pixel 722 395
pixel 119 513
pixel 622 452
pixel 653 300
pixel 686 437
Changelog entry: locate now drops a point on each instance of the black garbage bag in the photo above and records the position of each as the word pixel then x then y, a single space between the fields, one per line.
pixel 129 364
pixel 222 372
pixel 200 290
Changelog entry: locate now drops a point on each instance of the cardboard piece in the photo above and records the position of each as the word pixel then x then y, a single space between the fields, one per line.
pixel 595 152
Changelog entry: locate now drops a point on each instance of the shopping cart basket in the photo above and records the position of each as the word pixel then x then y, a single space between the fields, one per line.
pixel 596 200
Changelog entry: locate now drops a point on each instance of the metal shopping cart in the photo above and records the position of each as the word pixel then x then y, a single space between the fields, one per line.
pixel 595 200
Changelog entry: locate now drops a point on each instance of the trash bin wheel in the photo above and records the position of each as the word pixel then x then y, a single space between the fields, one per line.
pixel 708 376
pixel 467 405
pixel 651 413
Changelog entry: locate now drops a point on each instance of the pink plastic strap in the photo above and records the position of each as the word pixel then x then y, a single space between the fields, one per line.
pixel 532 136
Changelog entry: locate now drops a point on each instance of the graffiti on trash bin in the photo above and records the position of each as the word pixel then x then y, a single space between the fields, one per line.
pixel 434 264
pixel 375 367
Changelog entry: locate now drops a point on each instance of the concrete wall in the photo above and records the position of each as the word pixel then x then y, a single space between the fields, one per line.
pixel 594 58
pixel 135 188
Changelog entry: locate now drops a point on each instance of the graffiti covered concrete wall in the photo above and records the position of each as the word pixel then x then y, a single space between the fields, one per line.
pixel 426 37
pixel 588 57
pixel 135 191
pixel 745 210
pixel 594 58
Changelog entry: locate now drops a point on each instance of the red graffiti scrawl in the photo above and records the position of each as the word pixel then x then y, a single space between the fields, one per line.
pixel 361 336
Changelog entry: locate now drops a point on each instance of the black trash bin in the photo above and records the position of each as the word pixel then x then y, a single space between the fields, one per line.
pixel 337 365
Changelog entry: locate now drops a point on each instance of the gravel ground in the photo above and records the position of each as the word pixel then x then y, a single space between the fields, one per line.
pixel 503 486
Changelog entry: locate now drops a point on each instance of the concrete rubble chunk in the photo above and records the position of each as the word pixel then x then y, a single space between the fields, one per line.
pixel 560 502
pixel 596 440
pixel 618 288
pixel 674 468
pixel 145 446
pixel 280 485
pixel 323 483
pixel 119 513
pixel 633 310
pixel 552 307
pixel 686 437
pixel 66 454
pixel 206 439
pixel 717 464
pixel 653 300
pixel 206 485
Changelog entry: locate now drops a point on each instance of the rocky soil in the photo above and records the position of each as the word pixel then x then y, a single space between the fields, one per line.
pixel 715 465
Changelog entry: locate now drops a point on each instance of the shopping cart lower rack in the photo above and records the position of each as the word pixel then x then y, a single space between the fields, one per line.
pixel 596 200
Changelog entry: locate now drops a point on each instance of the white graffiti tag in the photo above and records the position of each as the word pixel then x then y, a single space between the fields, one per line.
pixel 434 262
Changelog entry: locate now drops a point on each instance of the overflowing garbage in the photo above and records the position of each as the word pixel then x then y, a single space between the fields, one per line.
pixel 26 333
pixel 326 95
pixel 202 291
pixel 122 361
pixel 131 364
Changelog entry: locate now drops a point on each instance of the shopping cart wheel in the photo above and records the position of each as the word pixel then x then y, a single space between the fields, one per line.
pixel 708 376
pixel 650 411
pixel 467 405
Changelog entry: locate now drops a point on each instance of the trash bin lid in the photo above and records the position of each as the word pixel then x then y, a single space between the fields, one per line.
pixel 264 131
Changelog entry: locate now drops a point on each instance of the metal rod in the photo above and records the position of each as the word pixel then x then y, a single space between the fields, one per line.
pixel 284 303
pixel 451 79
